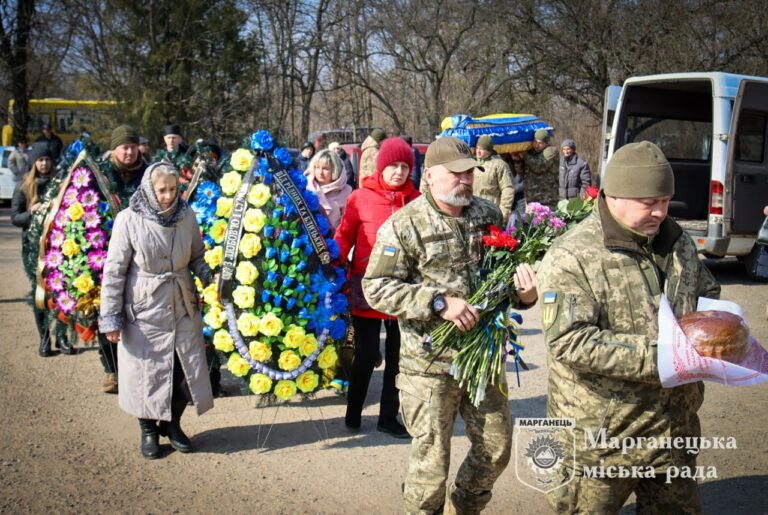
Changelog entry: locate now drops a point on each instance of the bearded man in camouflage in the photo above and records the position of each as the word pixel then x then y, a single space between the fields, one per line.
pixel 425 263
pixel 601 285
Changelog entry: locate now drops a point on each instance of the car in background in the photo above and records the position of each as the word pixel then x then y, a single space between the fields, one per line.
pixel 7 182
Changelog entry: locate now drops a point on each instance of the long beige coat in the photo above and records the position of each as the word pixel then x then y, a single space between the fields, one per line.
pixel 147 280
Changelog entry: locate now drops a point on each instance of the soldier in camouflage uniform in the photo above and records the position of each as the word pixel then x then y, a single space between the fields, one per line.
pixel 124 167
pixel 600 288
pixel 424 264
pixel 541 171
pixel 495 184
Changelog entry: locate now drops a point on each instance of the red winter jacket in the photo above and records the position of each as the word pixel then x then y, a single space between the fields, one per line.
pixel 367 209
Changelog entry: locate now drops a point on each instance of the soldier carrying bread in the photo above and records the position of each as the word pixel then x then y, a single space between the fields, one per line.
pixel 599 289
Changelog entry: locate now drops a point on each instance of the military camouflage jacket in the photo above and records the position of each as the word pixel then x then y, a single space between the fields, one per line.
pixel 421 252
pixel 541 176
pixel 599 291
pixel 495 183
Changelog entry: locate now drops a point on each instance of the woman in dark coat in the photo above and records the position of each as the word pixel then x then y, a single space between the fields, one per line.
pixel 379 196
pixel 149 308
pixel 29 206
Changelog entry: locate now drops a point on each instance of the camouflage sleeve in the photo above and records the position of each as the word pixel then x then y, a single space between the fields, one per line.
pixel 708 286
pixel 570 321
pixel 507 187
pixel 389 284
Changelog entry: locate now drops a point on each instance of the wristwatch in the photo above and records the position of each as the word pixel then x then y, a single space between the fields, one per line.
pixel 438 304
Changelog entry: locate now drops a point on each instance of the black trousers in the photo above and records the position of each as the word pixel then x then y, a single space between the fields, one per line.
pixel 366 353
pixel 108 354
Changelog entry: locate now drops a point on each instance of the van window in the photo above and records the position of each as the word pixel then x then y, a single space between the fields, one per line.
pixel 689 140
pixel 750 137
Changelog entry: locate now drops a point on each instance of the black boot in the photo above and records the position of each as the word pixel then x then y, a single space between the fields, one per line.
pixel 62 340
pixel 150 448
pixel 45 335
pixel 172 429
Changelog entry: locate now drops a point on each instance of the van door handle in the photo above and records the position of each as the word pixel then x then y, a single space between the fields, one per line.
pixel 747 179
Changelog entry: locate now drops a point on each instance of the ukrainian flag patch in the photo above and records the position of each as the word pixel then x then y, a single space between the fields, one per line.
pixel 390 251
pixel 550 297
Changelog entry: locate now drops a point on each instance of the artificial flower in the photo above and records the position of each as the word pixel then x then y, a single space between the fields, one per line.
pixel 224 206
pixel 241 161
pixel 250 245
pixel 289 360
pixel 54 259
pixel 222 341
pixel 246 272
pixel 96 238
pixel 89 198
pixel 97 259
pixel 270 325
pixel 260 351
pixel 244 296
pixel 259 195
pixel 253 220
pixel 91 219
pixel 230 182
pixel 260 384
pixel 81 177
pixel 65 302
pixel 237 365
pixel 208 192
pixel 211 294
pixel 75 211
pixel 57 238
pixel 55 281
pixel 70 248
pixel 218 230
pixel 294 336
pixel 69 198
pixel 308 381
pixel 308 345
pixel 327 358
pixel 285 389
pixel 248 324
pixel 214 257
pixel 215 317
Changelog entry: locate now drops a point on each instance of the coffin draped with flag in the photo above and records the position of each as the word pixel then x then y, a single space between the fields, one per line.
pixel 510 132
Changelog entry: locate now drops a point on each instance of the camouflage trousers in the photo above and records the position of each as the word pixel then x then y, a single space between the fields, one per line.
pixel 429 406
pixel 654 495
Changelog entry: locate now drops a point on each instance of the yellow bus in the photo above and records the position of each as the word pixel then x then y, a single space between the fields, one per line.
pixel 68 118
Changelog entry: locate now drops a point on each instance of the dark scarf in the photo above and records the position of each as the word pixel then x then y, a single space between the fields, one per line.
pixel 144 202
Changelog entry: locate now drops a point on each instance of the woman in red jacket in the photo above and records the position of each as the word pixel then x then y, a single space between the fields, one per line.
pixel 379 196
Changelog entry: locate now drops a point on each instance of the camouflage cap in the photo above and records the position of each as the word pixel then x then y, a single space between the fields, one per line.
pixel 639 170
pixel 485 142
pixel 452 153
pixel 541 135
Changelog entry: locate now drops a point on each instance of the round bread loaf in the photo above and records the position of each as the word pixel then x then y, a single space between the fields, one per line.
pixel 717 334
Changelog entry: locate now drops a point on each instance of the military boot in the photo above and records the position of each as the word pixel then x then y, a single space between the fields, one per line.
pixel 62 341
pixel 45 334
pixel 150 447
pixel 172 429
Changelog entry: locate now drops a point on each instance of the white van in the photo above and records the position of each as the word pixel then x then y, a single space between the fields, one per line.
pixel 712 127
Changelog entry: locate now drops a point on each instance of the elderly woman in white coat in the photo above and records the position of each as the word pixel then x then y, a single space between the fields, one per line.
pixel 149 307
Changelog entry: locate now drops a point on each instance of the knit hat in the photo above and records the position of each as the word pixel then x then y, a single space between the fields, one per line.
pixel 393 150
pixel 307 144
pixel 568 142
pixel 541 135
pixel 485 142
pixel 143 140
pixel 334 145
pixel 172 129
pixel 452 153
pixel 639 170
pixel 378 135
pixel 123 135
pixel 39 150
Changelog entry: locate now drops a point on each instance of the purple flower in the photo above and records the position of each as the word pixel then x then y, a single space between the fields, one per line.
pixel 65 303
pixel 54 259
pixel 81 177
pixel 57 238
pixel 96 259
pixel 55 281
pixel 96 239
pixel 70 197
pixel 91 219
pixel 556 224
pixel 89 198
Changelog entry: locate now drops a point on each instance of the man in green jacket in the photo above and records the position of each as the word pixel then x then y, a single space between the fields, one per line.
pixel 495 184
pixel 600 288
pixel 423 267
